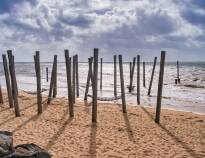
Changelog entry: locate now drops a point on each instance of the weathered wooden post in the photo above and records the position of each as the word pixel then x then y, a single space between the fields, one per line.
pixel 38 80
pixel 90 60
pixel 138 79
pixel 132 74
pixel 160 86
pixel 177 81
pixel 1 96
pixel 101 62
pixel 46 74
pixel 68 72
pixel 8 81
pixel 74 77
pixel 55 78
pixel 152 76
pixel 77 77
pixel 122 84
pixel 144 79
pixel 115 76
pixel 52 80
pixel 95 86
pixel 14 83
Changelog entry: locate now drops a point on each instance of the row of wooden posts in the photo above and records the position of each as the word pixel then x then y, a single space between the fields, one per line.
pixel 73 81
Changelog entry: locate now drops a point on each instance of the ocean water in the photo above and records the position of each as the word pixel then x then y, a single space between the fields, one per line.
pixel 187 96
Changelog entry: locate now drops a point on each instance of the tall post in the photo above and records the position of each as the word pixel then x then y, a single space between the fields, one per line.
pixel 77 77
pixel 138 79
pixel 55 77
pixel 1 96
pixel 101 62
pixel 132 74
pixel 115 76
pixel 122 84
pixel 74 78
pixel 90 60
pixel 130 88
pixel 46 74
pixel 14 83
pixel 8 81
pixel 95 86
pixel 69 85
pixel 51 89
pixel 160 86
pixel 152 76
pixel 144 79
pixel 38 79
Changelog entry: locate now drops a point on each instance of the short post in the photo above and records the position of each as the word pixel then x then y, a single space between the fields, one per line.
pixel 14 83
pixel 178 79
pixel 101 61
pixel 55 77
pixel 52 80
pixel 77 77
pixel 74 78
pixel 138 79
pixel 160 86
pixel 122 84
pixel 46 74
pixel 90 60
pixel 144 79
pixel 1 96
pixel 95 86
pixel 8 81
pixel 132 74
pixel 38 79
pixel 68 72
pixel 152 76
pixel 115 76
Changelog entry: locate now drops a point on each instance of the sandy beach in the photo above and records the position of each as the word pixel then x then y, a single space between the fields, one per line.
pixel 134 134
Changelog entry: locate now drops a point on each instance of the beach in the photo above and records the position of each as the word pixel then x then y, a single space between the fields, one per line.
pixel 134 134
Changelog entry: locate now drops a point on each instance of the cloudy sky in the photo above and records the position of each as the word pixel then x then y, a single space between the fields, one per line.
pixel 127 27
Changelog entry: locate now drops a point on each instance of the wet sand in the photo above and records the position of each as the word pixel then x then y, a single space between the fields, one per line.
pixel 134 134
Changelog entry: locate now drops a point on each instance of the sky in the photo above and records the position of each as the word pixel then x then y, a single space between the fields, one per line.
pixel 127 27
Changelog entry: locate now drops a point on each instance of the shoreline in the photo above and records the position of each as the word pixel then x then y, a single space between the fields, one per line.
pixel 133 134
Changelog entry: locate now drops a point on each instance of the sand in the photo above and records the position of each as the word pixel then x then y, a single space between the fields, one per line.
pixel 134 134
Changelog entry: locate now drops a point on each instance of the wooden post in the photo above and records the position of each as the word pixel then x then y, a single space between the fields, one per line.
pixel 46 74
pixel 144 80
pixel 14 83
pixel 95 86
pixel 130 89
pixel 68 72
pixel 8 82
pixel 90 60
pixel 138 79
pixel 51 89
pixel 160 86
pixel 178 79
pixel 77 76
pixel 152 76
pixel 122 84
pixel 115 76
pixel 101 61
pixel 74 78
pixel 1 96
pixel 55 78
pixel 38 80
pixel 132 74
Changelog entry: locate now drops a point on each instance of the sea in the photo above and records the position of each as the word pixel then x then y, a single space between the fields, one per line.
pixel 187 96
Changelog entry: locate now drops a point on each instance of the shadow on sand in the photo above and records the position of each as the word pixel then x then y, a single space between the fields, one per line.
pixel 191 152
pixel 92 146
